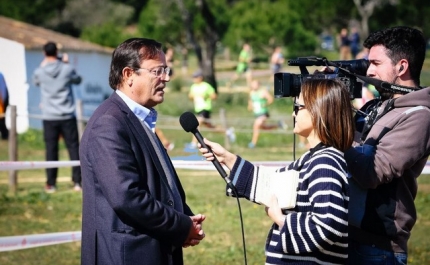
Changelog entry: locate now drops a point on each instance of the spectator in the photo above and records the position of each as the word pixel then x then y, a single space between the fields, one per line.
pixel 355 42
pixel 391 151
pixel 4 102
pixel 258 102
pixel 55 77
pixel 134 209
pixel 315 231
pixel 344 45
pixel 276 60
pixel 169 59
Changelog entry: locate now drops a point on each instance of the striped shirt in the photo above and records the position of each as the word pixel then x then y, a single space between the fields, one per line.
pixel 316 230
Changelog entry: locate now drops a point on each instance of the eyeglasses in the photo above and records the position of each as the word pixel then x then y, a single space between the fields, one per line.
pixel 298 107
pixel 159 71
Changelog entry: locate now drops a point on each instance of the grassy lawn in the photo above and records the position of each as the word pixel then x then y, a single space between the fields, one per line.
pixel 31 211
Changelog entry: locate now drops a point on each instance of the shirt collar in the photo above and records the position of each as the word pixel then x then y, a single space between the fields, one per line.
pixel 148 116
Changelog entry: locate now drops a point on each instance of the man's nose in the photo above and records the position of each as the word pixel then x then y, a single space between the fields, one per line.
pixel 370 70
pixel 166 77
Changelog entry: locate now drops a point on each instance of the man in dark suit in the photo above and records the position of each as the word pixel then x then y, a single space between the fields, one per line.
pixel 134 209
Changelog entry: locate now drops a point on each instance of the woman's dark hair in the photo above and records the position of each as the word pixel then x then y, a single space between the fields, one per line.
pixel 329 105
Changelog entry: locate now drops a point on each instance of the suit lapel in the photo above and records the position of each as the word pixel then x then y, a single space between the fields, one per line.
pixel 141 136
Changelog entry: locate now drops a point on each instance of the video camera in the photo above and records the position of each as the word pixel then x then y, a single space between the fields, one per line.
pixel 288 84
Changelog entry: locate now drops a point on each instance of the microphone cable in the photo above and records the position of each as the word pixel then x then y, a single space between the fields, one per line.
pixel 234 192
pixel 190 123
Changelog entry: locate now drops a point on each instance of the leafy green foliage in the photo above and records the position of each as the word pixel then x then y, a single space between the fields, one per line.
pixel 109 34
pixel 162 22
pixel 412 13
pixel 276 24
pixel 30 11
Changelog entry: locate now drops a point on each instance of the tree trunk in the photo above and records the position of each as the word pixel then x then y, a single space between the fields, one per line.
pixel 206 56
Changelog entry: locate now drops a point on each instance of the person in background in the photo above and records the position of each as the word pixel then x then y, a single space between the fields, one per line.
pixel 202 94
pixel 276 60
pixel 184 60
pixel 316 230
pixel 134 209
pixel 4 103
pixel 243 65
pixel 258 102
pixel 355 42
pixel 166 143
pixel 55 78
pixel 390 152
pixel 170 59
pixel 344 45
pixel 367 94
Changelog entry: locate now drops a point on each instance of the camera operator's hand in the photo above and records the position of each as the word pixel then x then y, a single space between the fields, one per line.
pixel 65 58
pixel 324 70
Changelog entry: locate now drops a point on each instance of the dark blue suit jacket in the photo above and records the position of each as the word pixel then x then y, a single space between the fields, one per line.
pixel 128 215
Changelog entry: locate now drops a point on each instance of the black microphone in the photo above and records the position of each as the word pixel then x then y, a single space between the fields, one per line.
pixel 190 123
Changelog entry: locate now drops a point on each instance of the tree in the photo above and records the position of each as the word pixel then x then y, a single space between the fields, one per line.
pixel 30 11
pixel 203 32
pixel 412 13
pixel 79 14
pixel 290 23
pixel 366 9
pixel 161 20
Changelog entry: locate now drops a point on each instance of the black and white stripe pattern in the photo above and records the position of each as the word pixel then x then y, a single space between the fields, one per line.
pixel 316 230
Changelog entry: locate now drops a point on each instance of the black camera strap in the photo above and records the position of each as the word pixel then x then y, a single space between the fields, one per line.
pixel 374 116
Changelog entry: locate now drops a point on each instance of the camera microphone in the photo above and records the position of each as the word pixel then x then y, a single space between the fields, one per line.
pixel 190 123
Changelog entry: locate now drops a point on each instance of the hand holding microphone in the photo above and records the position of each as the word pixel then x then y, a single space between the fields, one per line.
pixel 209 149
pixel 190 123
pixel 216 151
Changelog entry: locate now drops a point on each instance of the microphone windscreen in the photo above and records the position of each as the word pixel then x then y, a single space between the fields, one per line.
pixel 188 121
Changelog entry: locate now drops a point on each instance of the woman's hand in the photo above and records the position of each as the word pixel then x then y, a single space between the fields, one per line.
pixel 223 156
pixel 274 211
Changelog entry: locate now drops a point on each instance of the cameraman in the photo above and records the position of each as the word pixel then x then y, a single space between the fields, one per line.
pixel 397 144
pixel 55 78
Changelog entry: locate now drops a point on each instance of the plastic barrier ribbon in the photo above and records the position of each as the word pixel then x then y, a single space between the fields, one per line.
pixel 178 164
pixel 18 165
pixel 9 243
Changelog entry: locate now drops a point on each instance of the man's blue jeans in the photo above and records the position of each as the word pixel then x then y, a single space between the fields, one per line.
pixel 360 254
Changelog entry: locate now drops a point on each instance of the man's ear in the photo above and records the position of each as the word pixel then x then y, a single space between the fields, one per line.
pixel 403 65
pixel 127 72
pixel 127 76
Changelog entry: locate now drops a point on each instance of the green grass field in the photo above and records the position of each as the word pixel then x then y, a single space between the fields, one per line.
pixel 31 211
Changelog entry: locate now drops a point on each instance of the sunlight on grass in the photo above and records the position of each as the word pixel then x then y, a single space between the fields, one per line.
pixel 32 211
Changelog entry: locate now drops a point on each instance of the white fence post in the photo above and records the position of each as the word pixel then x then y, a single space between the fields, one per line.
pixel 13 150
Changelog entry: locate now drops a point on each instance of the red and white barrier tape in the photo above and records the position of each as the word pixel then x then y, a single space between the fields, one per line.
pixel 10 243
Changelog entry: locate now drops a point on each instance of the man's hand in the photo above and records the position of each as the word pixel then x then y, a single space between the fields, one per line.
pixel 196 233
